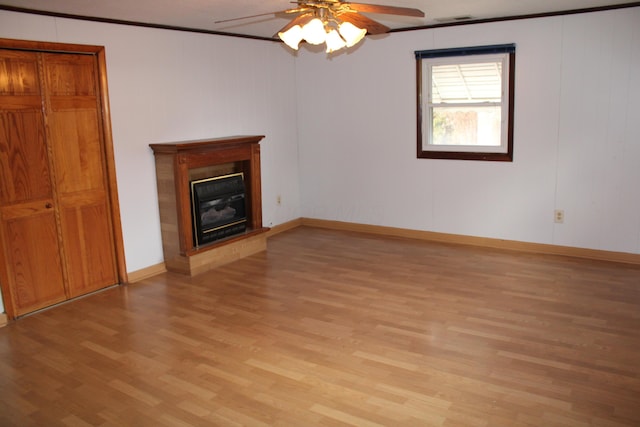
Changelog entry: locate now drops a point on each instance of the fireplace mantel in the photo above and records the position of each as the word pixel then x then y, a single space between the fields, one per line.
pixel 177 164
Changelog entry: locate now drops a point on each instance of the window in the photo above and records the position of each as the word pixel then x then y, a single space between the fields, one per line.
pixel 465 103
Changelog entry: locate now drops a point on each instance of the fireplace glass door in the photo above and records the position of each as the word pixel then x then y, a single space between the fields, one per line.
pixel 219 209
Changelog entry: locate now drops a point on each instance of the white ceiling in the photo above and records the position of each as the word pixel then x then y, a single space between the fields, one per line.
pixel 202 14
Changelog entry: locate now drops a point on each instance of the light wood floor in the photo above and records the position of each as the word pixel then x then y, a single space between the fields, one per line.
pixel 334 328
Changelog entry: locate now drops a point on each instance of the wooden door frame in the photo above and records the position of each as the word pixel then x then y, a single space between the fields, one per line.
pixel 107 138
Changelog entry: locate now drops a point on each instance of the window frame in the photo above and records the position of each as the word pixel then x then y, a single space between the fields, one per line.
pixel 424 119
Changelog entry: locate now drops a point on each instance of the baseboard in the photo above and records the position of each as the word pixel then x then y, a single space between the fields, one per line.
pixel 145 273
pixel 541 248
pixel 3 319
pixel 280 228
pixel 593 254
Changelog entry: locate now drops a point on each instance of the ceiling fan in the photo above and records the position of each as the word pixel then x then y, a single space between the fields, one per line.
pixel 337 23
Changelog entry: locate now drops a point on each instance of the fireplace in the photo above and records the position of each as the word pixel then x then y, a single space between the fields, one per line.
pixel 218 206
pixel 179 168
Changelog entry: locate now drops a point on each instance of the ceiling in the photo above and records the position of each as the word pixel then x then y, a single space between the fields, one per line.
pixel 202 14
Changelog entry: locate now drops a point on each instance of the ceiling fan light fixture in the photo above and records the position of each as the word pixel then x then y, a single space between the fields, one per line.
pixel 334 41
pixel 313 32
pixel 351 34
pixel 292 37
pixel 332 22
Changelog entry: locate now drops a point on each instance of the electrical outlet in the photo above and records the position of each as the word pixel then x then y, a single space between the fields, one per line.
pixel 279 200
pixel 558 216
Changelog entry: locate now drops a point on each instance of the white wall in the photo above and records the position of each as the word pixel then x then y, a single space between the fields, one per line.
pixel 576 139
pixel 340 132
pixel 169 86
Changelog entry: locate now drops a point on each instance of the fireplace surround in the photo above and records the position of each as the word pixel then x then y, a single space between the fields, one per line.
pixel 181 165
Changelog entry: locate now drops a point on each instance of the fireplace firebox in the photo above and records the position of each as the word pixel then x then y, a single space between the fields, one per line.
pixel 218 206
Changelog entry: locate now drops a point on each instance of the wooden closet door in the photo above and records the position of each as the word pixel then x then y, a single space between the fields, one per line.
pixel 30 262
pixel 74 130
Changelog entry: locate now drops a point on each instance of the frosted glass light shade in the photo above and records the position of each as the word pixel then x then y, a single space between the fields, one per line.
pixel 292 37
pixel 351 34
pixel 334 41
pixel 313 32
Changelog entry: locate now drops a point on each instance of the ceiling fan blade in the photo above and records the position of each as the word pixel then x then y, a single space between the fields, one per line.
pixel 247 17
pixel 262 14
pixel 298 20
pixel 387 10
pixel 362 21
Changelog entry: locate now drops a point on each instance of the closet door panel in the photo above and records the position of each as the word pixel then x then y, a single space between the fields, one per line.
pixel 74 122
pixel 77 150
pixel 20 73
pixel 75 137
pixel 31 249
pixel 88 244
pixel 31 269
pixel 24 168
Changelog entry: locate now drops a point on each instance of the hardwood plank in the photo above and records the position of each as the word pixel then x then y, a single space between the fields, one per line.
pixel 337 328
